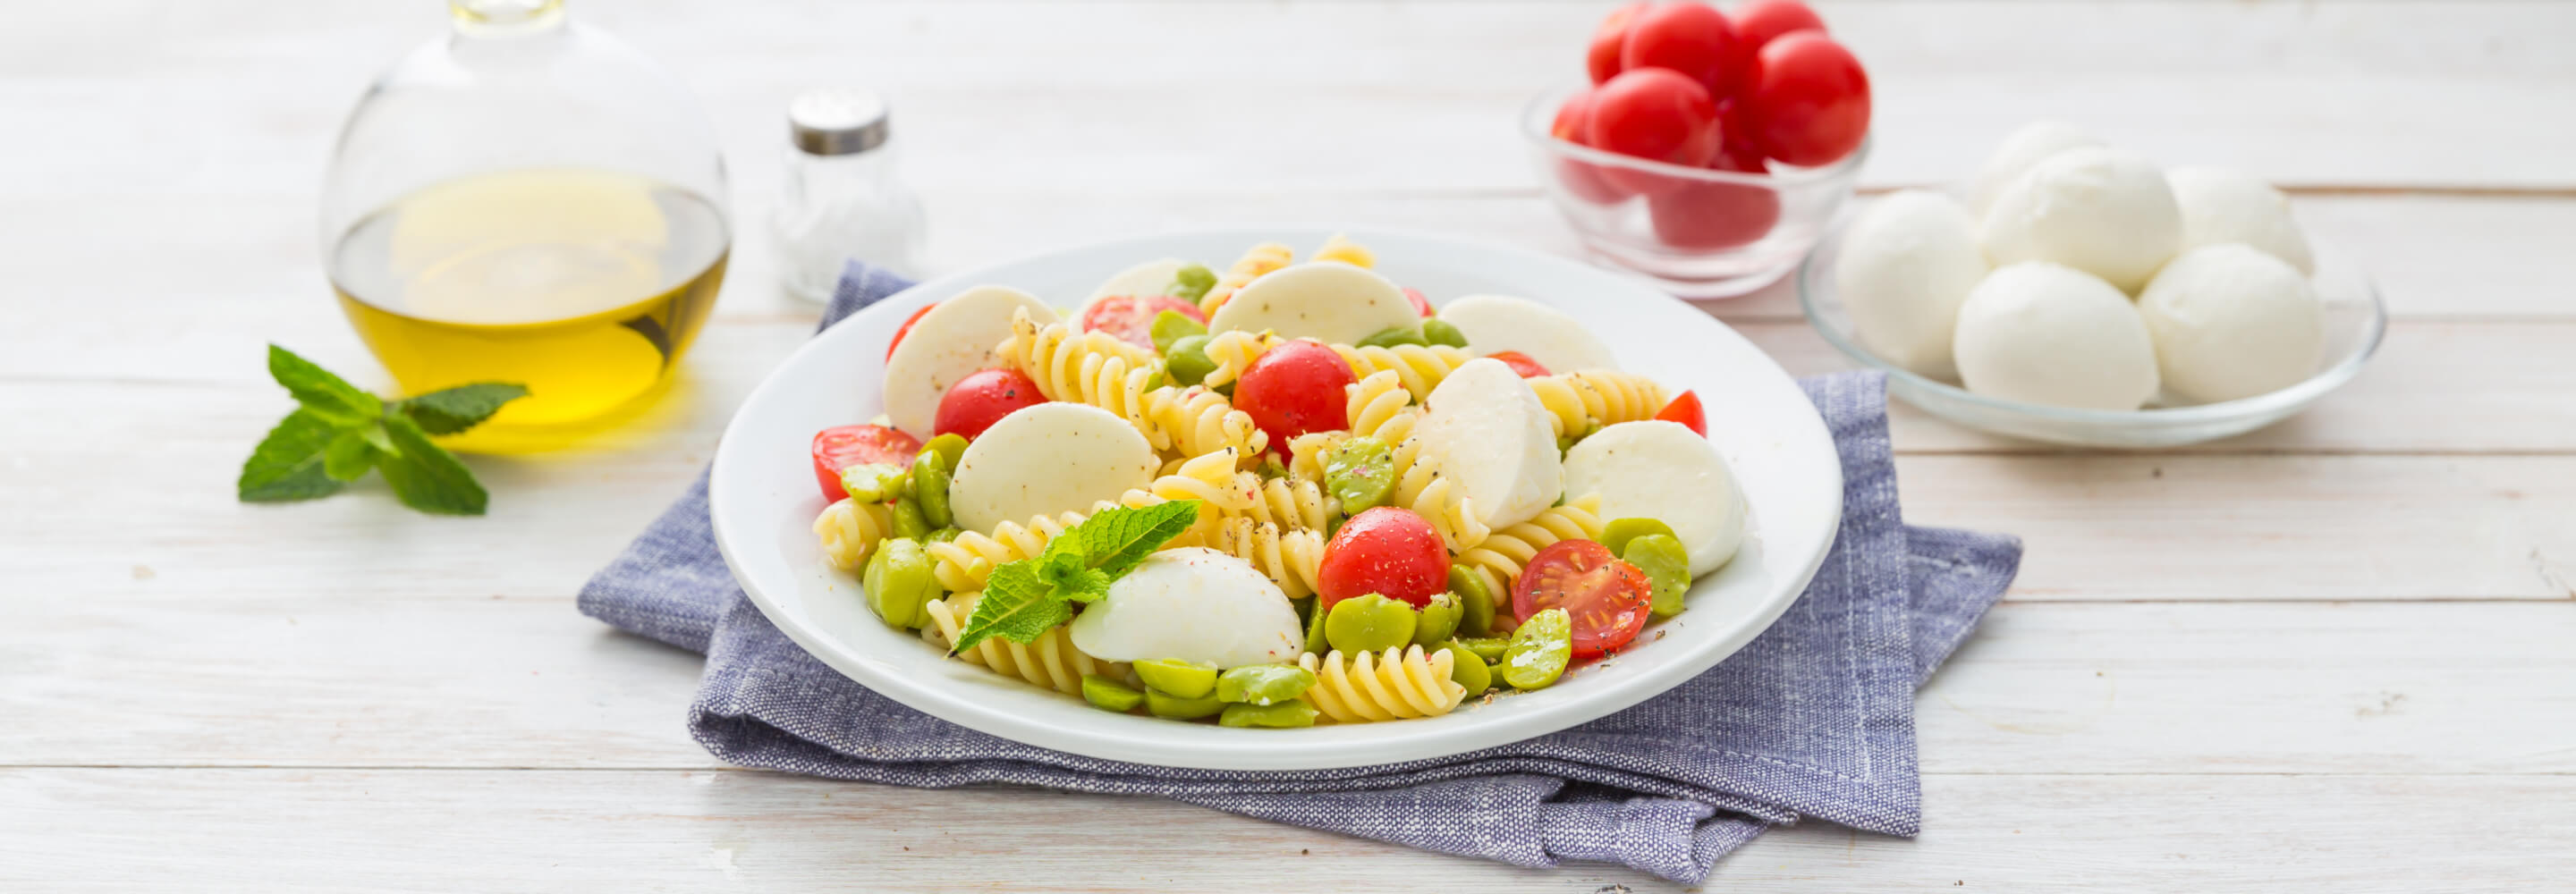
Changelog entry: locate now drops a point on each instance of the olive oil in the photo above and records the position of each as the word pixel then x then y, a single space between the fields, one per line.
pixel 584 285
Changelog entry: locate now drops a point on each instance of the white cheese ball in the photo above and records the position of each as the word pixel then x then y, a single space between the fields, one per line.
pixel 2222 205
pixel 1905 266
pixel 2230 321
pixel 2051 334
pixel 2022 149
pixel 2106 212
pixel 1193 604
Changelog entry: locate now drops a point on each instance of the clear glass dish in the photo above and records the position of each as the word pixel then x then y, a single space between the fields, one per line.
pixel 2355 320
pixel 1736 232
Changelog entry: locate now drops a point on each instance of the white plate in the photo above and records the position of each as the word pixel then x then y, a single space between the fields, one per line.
pixel 764 499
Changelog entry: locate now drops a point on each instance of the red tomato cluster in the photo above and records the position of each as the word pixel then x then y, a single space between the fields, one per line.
pixel 1685 84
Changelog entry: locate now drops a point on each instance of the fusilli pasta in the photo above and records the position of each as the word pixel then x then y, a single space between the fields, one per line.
pixel 1419 367
pixel 1291 557
pixel 1233 351
pixel 1259 259
pixel 850 530
pixel 1388 685
pixel 1584 402
pixel 1050 661
pixel 1098 369
pixel 1498 561
pixel 1341 248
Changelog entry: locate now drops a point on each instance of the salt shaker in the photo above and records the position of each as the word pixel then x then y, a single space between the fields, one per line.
pixel 840 199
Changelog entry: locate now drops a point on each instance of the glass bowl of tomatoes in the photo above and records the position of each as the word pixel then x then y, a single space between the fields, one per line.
pixel 1698 232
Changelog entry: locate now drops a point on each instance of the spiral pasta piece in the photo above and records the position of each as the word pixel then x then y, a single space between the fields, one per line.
pixel 1290 503
pixel 1388 685
pixel 964 562
pixel 1050 660
pixel 1381 408
pixel 1420 487
pixel 1258 260
pixel 1498 561
pixel 1233 351
pixel 1584 402
pixel 850 530
pixel 1341 248
pixel 1094 368
pixel 1419 367
pixel 1306 453
pixel 1293 558
pixel 1199 421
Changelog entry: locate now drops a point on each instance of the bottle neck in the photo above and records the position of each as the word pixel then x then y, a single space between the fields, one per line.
pixel 506 18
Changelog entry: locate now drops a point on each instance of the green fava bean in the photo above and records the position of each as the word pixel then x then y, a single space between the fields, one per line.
pixel 1666 565
pixel 1315 641
pixel 1468 669
pixel 951 448
pixel 1187 679
pixel 872 482
pixel 1370 623
pixel 1110 695
pixel 1439 332
pixel 1360 472
pixel 942 535
pixel 1539 650
pixel 1436 621
pixel 908 520
pixel 899 579
pixel 1489 648
pixel 1392 336
pixel 1170 326
pixel 1166 705
pixel 1263 684
pixel 1619 531
pixel 1475 603
pixel 1187 362
pixel 1193 282
pixel 1284 715
pixel 930 487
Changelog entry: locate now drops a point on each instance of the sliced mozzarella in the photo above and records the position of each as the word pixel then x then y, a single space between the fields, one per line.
pixel 1663 471
pixel 1147 279
pixel 1048 459
pixel 1486 432
pixel 1331 302
pixel 956 337
pixel 1503 323
pixel 1193 604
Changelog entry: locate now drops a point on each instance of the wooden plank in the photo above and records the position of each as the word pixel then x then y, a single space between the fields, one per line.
pixel 81 829
pixel 167 676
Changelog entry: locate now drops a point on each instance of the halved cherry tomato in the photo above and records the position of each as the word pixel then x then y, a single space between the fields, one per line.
pixel 1607 599
pixel 843 446
pixel 1421 305
pixel 1294 389
pixel 982 398
pixel 1520 363
pixel 1707 215
pixel 1657 114
pixel 1688 37
pixel 1601 60
pixel 906 328
pixel 1390 551
pixel 1810 99
pixel 1687 411
pixel 1131 317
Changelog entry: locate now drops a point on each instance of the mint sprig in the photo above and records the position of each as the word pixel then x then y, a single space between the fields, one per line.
pixel 339 431
pixel 1024 599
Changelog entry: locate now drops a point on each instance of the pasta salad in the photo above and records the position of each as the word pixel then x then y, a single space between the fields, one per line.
pixel 1275 495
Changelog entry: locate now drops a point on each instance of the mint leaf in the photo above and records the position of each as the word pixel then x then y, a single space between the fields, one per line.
pixel 1086 585
pixel 327 395
pixel 425 477
pixel 451 410
pixel 1016 606
pixel 352 453
pixel 1117 540
pixel 289 463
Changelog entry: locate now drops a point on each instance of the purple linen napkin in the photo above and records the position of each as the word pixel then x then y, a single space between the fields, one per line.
pixel 1814 718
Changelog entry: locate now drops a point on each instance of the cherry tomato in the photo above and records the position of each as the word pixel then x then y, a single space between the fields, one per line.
pixel 1653 113
pixel 1602 58
pixel 843 446
pixel 1708 215
pixel 1688 37
pixel 1520 363
pixel 1687 411
pixel 1810 99
pixel 1757 22
pixel 906 328
pixel 1421 305
pixel 1131 317
pixel 1294 389
pixel 1584 179
pixel 1607 599
pixel 982 398
pixel 1389 551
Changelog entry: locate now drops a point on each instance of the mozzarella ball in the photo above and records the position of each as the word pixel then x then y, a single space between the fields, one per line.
pixel 2102 211
pixel 2022 149
pixel 1193 604
pixel 1905 266
pixel 2230 321
pixel 2051 334
pixel 2222 205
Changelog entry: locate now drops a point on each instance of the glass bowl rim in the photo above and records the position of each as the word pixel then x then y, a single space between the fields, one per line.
pixel 1540 111
pixel 2375 328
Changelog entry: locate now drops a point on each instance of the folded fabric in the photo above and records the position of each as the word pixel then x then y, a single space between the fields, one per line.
pixel 1814 718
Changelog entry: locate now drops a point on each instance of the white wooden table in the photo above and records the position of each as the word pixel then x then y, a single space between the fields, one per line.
pixel 2339 654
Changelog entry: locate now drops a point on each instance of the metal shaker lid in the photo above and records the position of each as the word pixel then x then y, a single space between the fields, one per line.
pixel 838 120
